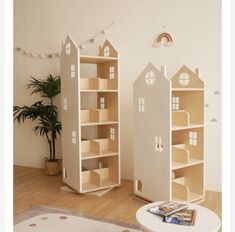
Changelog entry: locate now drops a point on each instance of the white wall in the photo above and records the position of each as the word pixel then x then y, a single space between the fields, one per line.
pixel 41 26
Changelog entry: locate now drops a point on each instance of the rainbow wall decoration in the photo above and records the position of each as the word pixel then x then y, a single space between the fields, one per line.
pixel 163 39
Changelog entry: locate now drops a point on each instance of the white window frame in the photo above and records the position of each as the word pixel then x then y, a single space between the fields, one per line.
pixel 175 103
pixel 73 72
pixel 74 137
pixel 112 133
pixel 184 79
pixel 141 105
pixel 193 138
pixel 111 72
pixel 150 78
pixel 102 103
pixel 107 51
pixel 68 48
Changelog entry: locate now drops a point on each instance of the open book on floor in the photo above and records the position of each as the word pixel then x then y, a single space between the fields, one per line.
pixel 167 208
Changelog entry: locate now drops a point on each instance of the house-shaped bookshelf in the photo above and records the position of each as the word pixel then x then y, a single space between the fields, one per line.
pixel 90 118
pixel 169 135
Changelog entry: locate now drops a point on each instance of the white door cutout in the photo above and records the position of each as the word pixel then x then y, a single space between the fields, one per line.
pixel 158 144
pixel 138 186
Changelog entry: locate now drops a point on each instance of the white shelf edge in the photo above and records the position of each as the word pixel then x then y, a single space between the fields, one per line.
pixel 98 156
pixel 191 126
pixel 190 164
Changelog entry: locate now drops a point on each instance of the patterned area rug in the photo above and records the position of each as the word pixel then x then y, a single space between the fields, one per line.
pixel 48 219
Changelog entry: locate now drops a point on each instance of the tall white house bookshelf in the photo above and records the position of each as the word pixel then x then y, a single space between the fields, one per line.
pixel 90 118
pixel 169 135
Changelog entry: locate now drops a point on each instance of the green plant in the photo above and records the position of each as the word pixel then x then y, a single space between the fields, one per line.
pixel 43 112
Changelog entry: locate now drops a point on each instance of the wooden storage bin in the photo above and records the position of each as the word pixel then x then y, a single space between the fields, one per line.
pixel 94 83
pixel 99 115
pixel 94 115
pixel 183 156
pixel 89 147
pixel 94 179
pixel 94 148
pixel 105 146
pixel 180 154
pixel 188 184
pixel 100 176
pixel 180 118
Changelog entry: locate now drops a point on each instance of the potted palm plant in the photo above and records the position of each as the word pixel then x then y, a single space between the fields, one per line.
pixel 45 114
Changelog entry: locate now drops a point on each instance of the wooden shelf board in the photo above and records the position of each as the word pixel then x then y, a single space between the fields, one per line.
pixel 190 126
pixel 98 123
pixel 88 155
pixel 192 161
pixel 96 59
pixel 99 91
pixel 192 197
pixel 187 89
pixel 87 187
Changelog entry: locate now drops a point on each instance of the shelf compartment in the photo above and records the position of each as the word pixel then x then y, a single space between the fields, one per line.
pixel 91 149
pixel 94 178
pixel 180 118
pixel 95 84
pixel 181 157
pixel 191 102
pixel 181 191
pixel 94 115
pixel 188 184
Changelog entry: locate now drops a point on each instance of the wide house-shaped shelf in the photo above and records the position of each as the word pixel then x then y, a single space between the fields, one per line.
pixel 169 135
pixel 90 117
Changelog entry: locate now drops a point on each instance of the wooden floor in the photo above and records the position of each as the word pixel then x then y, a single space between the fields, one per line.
pixel 32 187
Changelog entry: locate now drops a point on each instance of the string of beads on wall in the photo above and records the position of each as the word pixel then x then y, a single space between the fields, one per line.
pixel 57 54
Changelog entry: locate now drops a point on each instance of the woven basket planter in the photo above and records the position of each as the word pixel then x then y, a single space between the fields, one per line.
pixel 52 168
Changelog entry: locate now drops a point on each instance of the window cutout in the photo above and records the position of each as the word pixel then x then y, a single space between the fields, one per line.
pixel 184 79
pixel 72 68
pixel 102 103
pixel 158 144
pixel 74 137
pixel 111 72
pixel 141 105
pixel 150 78
pixel 175 103
pixel 139 186
pixel 193 138
pixel 106 51
pixel 112 133
pixel 65 104
pixel 68 48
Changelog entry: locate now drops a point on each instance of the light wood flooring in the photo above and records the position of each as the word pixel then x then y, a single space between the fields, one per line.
pixel 32 187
